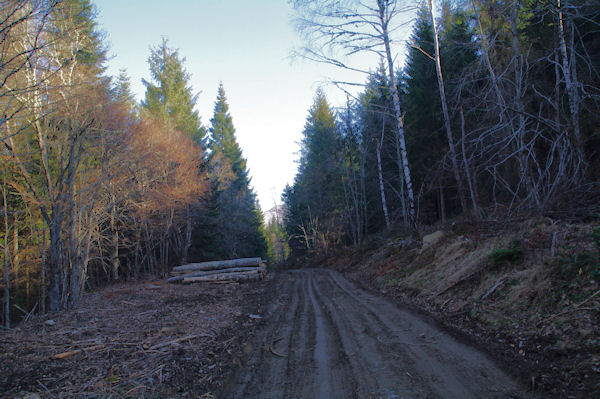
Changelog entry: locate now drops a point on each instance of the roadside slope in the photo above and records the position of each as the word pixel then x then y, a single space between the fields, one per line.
pixel 527 291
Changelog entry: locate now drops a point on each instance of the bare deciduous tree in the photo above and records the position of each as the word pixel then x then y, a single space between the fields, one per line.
pixel 340 29
pixel 22 27
pixel 442 90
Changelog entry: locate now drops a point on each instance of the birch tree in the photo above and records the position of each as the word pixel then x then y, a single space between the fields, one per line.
pixel 444 102
pixel 22 27
pixel 337 30
pixel 60 116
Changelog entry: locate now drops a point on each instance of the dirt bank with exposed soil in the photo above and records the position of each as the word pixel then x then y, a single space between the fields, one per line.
pixel 527 291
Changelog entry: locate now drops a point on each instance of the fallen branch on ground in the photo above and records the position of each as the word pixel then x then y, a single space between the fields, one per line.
pixel 574 308
pixel 459 281
pixel 175 341
pixel 491 290
pixel 67 354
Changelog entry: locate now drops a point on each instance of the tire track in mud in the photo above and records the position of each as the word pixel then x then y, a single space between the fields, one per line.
pixel 375 367
pixel 321 353
pixel 325 338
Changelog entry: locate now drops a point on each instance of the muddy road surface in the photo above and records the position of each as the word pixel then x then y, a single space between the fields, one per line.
pixel 325 338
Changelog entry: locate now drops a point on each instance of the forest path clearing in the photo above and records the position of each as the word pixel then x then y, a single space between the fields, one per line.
pixel 326 338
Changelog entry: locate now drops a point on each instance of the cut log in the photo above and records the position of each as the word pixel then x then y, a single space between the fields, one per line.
pixel 219 264
pixel 210 272
pixel 220 269
pixel 238 276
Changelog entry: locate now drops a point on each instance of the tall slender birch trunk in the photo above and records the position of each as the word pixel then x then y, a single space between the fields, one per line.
pixel 6 256
pixel 380 175
pixel 440 79
pixel 568 67
pixel 384 18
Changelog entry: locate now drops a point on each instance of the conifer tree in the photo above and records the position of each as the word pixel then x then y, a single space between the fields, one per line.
pixel 122 89
pixel 238 231
pixel 169 95
pixel 423 120
pixel 378 135
pixel 170 100
pixel 223 141
pixel 315 200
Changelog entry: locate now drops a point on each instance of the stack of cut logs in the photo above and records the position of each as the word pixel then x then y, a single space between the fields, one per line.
pixel 220 270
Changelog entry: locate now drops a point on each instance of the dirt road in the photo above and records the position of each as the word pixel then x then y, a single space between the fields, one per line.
pixel 325 338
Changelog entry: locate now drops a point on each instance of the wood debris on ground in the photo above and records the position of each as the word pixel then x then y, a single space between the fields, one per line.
pixel 147 339
pixel 242 269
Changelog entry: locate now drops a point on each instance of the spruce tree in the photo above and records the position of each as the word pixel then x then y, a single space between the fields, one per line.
pixel 238 231
pixel 315 201
pixel 378 130
pixel 425 138
pixel 223 141
pixel 170 100
pixel 121 90
pixel 169 95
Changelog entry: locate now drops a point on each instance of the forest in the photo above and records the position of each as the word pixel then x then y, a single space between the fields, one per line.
pixel 495 113
pixel 97 188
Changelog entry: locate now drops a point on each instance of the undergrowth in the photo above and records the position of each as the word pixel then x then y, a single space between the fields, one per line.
pixel 512 254
pixel 575 271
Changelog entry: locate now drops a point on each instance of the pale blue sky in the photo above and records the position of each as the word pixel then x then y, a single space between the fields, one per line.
pixel 246 45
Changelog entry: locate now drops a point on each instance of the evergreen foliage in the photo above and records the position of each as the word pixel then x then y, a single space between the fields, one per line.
pixel 223 142
pixel 425 137
pixel 313 217
pixel 169 95
pixel 377 128
pixel 122 90
pixel 522 105
pixel 277 242
pixel 238 221
pixel 95 190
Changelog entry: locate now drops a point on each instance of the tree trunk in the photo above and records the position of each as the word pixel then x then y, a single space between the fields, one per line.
pixel 115 265
pixel 239 276
pixel 401 179
pixel 383 17
pixel 44 268
pixel 248 269
pixel 363 192
pixel 466 166
pixel 347 185
pixel 380 175
pixel 75 257
pixel 568 67
pixel 15 252
pixel 54 259
pixel 219 264
pixel 188 235
pixel 440 79
pixel 6 257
